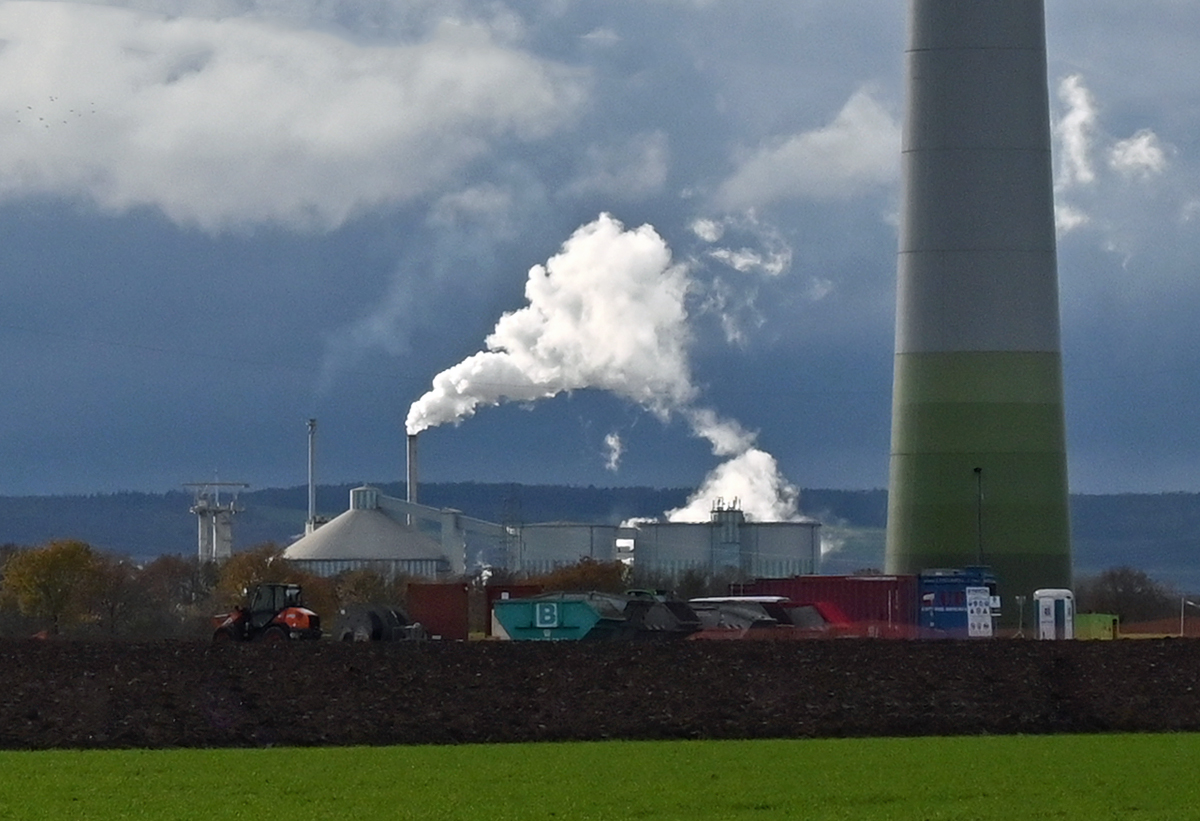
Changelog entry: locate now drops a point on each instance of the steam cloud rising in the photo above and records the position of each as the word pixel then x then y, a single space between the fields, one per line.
pixel 608 312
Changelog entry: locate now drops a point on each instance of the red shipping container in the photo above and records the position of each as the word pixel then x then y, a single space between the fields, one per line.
pixel 440 608
pixel 883 600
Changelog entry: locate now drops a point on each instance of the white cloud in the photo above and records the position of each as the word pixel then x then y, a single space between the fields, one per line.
pixel 385 328
pixel 633 169
pixel 745 260
pixel 1075 132
pixel 1067 218
pixel 220 123
pixel 485 203
pixel 859 150
pixel 761 248
pixel 614 447
pixel 1141 155
pixel 604 37
pixel 750 247
pixel 707 229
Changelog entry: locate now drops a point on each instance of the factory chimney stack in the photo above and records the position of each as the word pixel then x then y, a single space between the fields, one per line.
pixel 411 477
pixel 311 523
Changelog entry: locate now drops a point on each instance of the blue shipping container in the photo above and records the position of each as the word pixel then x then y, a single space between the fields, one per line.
pixel 950 600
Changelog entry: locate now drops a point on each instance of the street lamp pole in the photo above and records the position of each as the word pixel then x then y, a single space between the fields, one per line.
pixel 1184 602
pixel 979 512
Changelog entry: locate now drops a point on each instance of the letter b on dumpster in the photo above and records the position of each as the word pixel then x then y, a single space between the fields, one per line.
pixel 545 614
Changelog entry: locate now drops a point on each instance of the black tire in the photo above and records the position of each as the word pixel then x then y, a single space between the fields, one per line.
pixel 223 637
pixel 273 635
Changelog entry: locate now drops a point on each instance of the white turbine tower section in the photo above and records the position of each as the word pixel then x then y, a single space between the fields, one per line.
pixel 978 466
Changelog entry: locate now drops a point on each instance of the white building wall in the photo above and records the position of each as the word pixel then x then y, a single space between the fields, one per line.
pixel 761 549
pixel 542 547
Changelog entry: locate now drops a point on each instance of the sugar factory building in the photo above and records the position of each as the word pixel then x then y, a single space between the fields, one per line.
pixel 396 536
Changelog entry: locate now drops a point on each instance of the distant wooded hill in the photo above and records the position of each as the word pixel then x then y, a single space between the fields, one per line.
pixel 1156 533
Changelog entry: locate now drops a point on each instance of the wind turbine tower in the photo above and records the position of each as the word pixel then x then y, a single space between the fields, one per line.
pixel 978 464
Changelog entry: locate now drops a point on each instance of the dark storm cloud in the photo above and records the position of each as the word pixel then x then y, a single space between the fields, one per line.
pixel 310 209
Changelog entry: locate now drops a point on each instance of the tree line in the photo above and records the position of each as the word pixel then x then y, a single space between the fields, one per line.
pixel 68 588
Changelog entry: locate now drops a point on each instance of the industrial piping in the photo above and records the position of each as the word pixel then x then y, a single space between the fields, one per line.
pixel 978 459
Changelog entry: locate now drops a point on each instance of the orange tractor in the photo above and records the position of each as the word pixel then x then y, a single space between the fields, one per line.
pixel 272 613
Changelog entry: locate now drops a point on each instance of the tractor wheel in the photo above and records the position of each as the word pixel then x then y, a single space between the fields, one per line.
pixel 223 637
pixel 273 635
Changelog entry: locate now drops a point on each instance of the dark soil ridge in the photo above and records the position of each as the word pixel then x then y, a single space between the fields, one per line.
pixel 182 694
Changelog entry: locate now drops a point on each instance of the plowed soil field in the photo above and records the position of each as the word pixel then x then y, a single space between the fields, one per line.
pixel 80 695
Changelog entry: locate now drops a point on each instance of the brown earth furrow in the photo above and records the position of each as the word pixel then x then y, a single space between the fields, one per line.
pixel 179 694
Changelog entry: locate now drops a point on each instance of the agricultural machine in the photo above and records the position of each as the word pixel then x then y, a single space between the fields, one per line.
pixel 375 622
pixel 272 613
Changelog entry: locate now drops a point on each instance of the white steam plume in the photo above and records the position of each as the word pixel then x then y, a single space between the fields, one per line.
pixel 608 311
pixel 751 476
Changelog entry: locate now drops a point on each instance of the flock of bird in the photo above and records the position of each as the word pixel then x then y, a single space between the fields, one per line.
pixel 46 118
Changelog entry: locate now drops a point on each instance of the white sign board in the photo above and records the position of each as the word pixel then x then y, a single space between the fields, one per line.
pixel 979 612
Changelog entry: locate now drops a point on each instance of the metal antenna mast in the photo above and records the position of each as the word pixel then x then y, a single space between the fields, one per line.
pixel 215 518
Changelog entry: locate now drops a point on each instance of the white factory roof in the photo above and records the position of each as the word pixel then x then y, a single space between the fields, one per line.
pixel 365 534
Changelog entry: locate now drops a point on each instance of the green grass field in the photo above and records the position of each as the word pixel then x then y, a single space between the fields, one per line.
pixel 1000 777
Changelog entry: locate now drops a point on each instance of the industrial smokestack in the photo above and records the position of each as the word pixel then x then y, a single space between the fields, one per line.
pixel 977 395
pixel 311 524
pixel 411 478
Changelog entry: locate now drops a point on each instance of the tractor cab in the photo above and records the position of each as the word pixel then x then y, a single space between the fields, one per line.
pixel 267 600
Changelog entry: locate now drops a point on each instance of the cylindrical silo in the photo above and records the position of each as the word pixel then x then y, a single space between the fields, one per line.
pixel 978 463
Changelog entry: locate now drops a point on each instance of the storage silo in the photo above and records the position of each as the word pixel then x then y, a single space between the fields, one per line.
pixel 544 546
pixel 365 537
pixel 727 542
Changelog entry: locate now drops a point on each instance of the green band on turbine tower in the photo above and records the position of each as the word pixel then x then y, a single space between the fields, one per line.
pixel 978 472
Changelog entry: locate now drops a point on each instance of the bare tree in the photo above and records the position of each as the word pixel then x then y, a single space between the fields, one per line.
pixel 1130 594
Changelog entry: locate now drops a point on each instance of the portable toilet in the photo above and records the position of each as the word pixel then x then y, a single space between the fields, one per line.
pixel 1056 613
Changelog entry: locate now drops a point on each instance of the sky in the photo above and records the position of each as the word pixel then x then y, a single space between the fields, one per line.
pixel 590 243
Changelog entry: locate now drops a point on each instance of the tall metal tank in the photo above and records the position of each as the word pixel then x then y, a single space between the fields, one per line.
pixel 978 465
